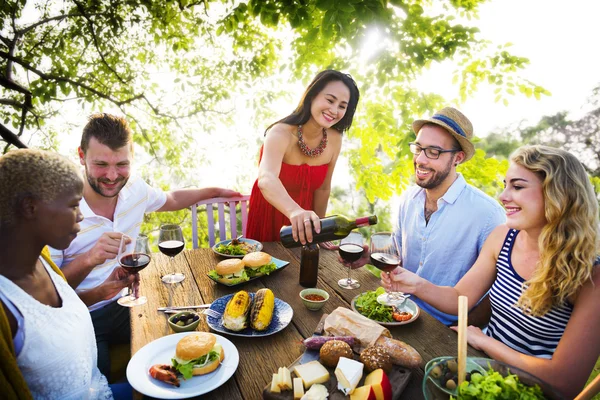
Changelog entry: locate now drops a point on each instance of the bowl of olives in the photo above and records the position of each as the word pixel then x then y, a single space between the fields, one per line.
pixel 443 373
pixel 185 321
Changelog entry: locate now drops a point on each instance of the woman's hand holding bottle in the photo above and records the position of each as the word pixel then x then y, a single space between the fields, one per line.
pixel 302 222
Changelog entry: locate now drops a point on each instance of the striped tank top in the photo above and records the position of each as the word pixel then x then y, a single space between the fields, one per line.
pixel 535 336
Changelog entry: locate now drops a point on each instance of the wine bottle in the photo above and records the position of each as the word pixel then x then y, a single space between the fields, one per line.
pixel 333 227
pixel 309 265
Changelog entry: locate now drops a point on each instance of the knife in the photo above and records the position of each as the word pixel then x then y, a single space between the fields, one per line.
pixel 182 307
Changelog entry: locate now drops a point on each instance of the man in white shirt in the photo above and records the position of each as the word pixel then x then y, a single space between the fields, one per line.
pixel 113 204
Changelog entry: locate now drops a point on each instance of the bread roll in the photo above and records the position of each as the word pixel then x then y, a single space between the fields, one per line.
pixel 331 352
pixel 195 345
pixel 402 354
pixel 229 266
pixel 256 259
pixel 375 357
pixel 210 367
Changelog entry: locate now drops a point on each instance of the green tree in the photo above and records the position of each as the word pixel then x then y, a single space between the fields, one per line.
pixel 177 67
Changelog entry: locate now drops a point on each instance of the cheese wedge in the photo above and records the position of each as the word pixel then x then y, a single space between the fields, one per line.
pixel 298 388
pixel 311 373
pixel 316 392
pixel 348 373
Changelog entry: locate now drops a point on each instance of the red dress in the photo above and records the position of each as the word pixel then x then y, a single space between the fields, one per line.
pixel 300 181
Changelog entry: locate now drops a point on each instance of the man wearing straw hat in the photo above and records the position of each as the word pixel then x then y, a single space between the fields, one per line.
pixel 443 221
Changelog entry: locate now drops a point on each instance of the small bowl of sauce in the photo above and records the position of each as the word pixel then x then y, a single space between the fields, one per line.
pixel 314 299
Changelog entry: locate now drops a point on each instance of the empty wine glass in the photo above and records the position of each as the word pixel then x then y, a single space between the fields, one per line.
pixel 385 255
pixel 171 243
pixel 133 256
pixel 351 248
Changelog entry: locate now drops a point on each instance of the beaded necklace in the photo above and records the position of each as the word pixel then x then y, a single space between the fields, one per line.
pixel 308 151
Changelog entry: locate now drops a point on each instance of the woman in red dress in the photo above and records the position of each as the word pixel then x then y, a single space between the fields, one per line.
pixel 298 158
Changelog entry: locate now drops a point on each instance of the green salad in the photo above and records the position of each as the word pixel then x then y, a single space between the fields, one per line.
pixel 367 305
pixel 494 386
pixel 239 249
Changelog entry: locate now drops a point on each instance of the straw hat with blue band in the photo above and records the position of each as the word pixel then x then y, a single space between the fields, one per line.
pixel 454 122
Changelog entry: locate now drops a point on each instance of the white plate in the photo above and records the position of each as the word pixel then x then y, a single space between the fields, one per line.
pixel 257 247
pixel 408 306
pixel 161 351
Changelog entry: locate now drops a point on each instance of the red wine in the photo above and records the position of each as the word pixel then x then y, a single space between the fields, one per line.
pixel 332 228
pixel 351 252
pixel 135 262
pixel 385 262
pixel 171 247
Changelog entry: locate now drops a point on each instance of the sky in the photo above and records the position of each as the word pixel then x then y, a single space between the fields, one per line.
pixel 559 39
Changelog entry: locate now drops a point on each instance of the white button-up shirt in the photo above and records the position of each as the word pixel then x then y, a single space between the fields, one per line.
pixel 135 199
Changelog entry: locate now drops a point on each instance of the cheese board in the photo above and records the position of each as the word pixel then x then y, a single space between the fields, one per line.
pixel 398 377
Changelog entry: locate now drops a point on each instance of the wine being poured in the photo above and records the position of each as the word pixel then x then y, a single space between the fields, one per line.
pixel 334 227
pixel 351 249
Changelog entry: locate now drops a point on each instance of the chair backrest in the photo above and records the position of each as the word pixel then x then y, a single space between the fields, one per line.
pixel 220 202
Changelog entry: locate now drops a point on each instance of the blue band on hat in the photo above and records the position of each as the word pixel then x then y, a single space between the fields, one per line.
pixel 450 122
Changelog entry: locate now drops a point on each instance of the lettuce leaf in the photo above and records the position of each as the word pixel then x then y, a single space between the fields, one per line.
pixel 186 369
pixel 367 305
pixel 264 270
pixel 213 274
pixel 493 386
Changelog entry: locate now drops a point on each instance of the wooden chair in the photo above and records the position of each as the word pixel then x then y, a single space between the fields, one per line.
pixel 220 202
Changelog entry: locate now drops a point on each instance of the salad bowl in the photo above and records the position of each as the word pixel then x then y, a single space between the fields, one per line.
pixel 433 390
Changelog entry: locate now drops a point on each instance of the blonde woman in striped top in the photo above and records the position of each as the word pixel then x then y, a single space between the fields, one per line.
pixel 540 270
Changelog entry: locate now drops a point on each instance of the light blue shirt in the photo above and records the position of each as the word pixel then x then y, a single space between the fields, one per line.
pixel 444 249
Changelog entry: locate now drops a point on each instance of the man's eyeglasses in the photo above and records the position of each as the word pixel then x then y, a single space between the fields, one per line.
pixel 430 152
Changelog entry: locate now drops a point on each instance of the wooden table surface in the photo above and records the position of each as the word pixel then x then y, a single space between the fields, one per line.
pixel 261 357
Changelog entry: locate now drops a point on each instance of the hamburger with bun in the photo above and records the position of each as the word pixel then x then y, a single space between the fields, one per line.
pixel 230 271
pixel 258 263
pixel 197 354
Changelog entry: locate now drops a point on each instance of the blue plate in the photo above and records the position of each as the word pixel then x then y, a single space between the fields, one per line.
pixel 282 316
pixel 279 263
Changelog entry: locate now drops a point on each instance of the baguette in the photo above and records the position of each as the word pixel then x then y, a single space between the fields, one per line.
pixel 402 354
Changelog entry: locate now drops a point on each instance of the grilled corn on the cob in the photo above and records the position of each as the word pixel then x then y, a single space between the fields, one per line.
pixel 235 317
pixel 262 309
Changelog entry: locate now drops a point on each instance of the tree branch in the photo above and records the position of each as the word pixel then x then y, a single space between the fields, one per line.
pixel 93 32
pixel 50 77
pixel 50 19
pixel 12 85
pixel 11 138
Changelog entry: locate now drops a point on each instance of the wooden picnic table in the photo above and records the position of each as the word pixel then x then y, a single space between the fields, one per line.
pixel 261 357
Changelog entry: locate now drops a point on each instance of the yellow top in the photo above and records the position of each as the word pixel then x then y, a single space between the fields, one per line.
pixel 12 383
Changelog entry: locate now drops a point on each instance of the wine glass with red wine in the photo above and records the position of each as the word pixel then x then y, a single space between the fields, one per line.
pixel 133 256
pixel 351 248
pixel 385 255
pixel 171 243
